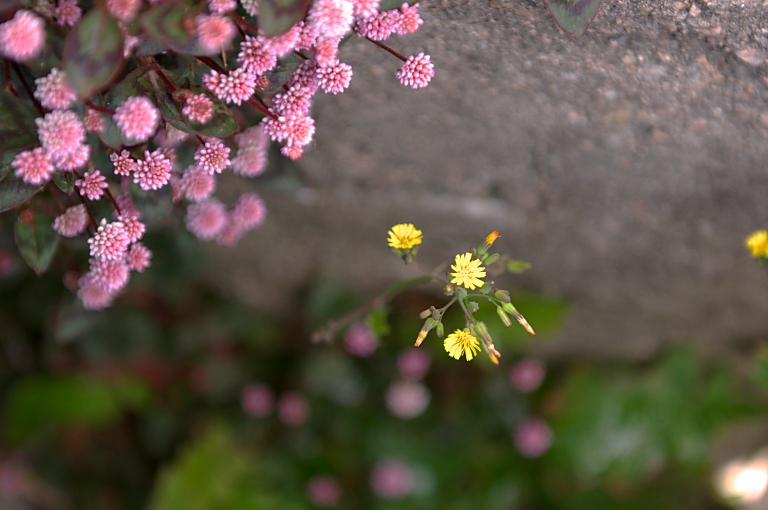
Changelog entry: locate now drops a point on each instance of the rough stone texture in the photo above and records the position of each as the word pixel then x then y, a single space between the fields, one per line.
pixel 627 166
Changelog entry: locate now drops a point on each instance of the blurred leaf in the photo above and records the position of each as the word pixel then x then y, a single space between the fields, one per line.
pixel 14 191
pixel 327 301
pixel 65 181
pixel 93 52
pixel 378 321
pixel 387 5
pixel 573 16
pixel 17 123
pixel 282 72
pixel 36 239
pixel 517 266
pixel 36 404
pixel 155 205
pixel 277 16
pixel 165 23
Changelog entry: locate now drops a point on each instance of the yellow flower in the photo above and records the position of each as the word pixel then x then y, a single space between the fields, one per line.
pixel 404 236
pixel 461 342
pixel 758 243
pixel 467 272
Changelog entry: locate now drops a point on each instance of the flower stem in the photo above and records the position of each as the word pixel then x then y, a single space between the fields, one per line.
pixel 24 84
pixel 387 48
pixel 101 109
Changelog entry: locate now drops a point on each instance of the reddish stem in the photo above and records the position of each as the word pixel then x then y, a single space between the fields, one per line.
pixel 112 199
pixel 262 109
pixel 168 83
pixel 387 48
pixel 101 109
pixel 212 64
pixel 90 213
pixel 24 84
pixel 55 196
pixel 244 25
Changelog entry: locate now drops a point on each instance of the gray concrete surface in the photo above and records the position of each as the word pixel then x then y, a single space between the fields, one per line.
pixel 627 166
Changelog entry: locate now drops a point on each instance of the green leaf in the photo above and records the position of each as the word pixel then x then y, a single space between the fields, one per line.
pixel 281 73
pixel 17 123
pixel 65 181
pixel 36 239
pixel 517 266
pixel 277 16
pixel 93 52
pixel 221 125
pixel 155 205
pixel 573 16
pixel 14 191
pixel 169 25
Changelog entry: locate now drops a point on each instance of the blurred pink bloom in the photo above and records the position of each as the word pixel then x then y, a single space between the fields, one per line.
pixel 199 108
pixel 251 159
pixel 7 264
pixel 284 43
pixel 73 160
pixel 533 437
pixel 222 6
pixel 92 185
pixel 324 491
pixel 110 241
pixel 110 275
pixel 294 101
pixel 23 37
pixel 291 152
pixel 417 71
pixel 231 234
pixel 365 8
pixel 61 133
pixel 331 18
pixel 407 399
pixel 124 164
pixel 133 227
pixel 305 77
pixel 296 130
pixel 392 479
pixel 257 400
pixel 197 184
pixel 526 375
pixel 215 32
pixel 139 257
pixel 335 78
pixel 408 20
pixel 213 156
pixel 206 219
pixel 92 295
pixel 307 36
pixel 123 10
pixel 94 122
pixel 137 118
pixel 54 91
pixel 413 363
pixel 68 13
pixel 72 222
pixel 249 211
pixel 292 409
pixel 326 51
pixel 33 167
pixel 360 341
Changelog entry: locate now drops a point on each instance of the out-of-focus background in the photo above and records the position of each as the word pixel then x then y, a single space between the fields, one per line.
pixel 627 167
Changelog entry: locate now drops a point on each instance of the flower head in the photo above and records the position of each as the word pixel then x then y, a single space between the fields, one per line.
pixel 378 27
pixel 92 185
pixel 92 295
pixel 461 342
pixel 154 171
pixel 110 275
pixel 123 10
pixel 408 20
pixel 235 87
pixel 54 91
pixel 404 236
pixel 22 38
pixel 138 257
pixel 33 167
pixel 222 6
pixel 332 18
pixel 72 222
pixel 284 43
pixel 335 77
pixel 417 71
pixel 324 491
pixel 133 227
pixel 365 8
pixel 124 164
pixel 533 438
pixel 757 243
pixel 214 32
pixel 199 108
pixel 251 159
pixel 61 133
pixel 467 272
pixel 197 184
pixel 110 241
pixel 256 56
pixel 213 156
pixel 94 122
pixel 249 211
pixel 137 118
pixel 206 219
pixel 491 238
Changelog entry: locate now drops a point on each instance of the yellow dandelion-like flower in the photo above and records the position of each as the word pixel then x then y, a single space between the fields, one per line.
pixel 467 272
pixel 757 243
pixel 404 236
pixel 461 342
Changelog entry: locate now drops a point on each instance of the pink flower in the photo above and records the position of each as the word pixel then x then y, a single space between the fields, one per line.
pixel 110 275
pixel 54 91
pixel 23 37
pixel 413 363
pixel 407 399
pixel 294 101
pixel 409 19
pixel 305 77
pixel 74 160
pixel 110 241
pixel 213 156
pixel 124 164
pixel 92 185
pixel 206 219
pixel 392 479
pixel 214 32
pixel 72 222
pixel 533 437
pixel 61 133
pixel 365 8
pixel 284 43
pixel 222 6
pixel 94 122
pixel 526 375
pixel 251 7
pixel 334 78
pixel 231 234
pixel 326 51
pixel 249 211
pixel 360 341
pixel 138 257
pixel 256 57
pixel 133 227
pixel 416 71
pixel 68 13
pixel 154 171
pixel 378 26
pixel 123 10
pixel 332 18
pixel 296 130
pixel 236 87
pixel 307 36
pixel 251 159
pixel 92 295
pixel 291 152
pixel 292 409
pixel 198 109
pixel 257 400
pixel 137 118
pixel 126 204
pixel 197 184
pixel 33 167
pixel 324 491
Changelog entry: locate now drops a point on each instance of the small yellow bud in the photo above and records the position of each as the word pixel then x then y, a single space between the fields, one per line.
pixel 421 337
pixel 524 323
pixel 492 237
